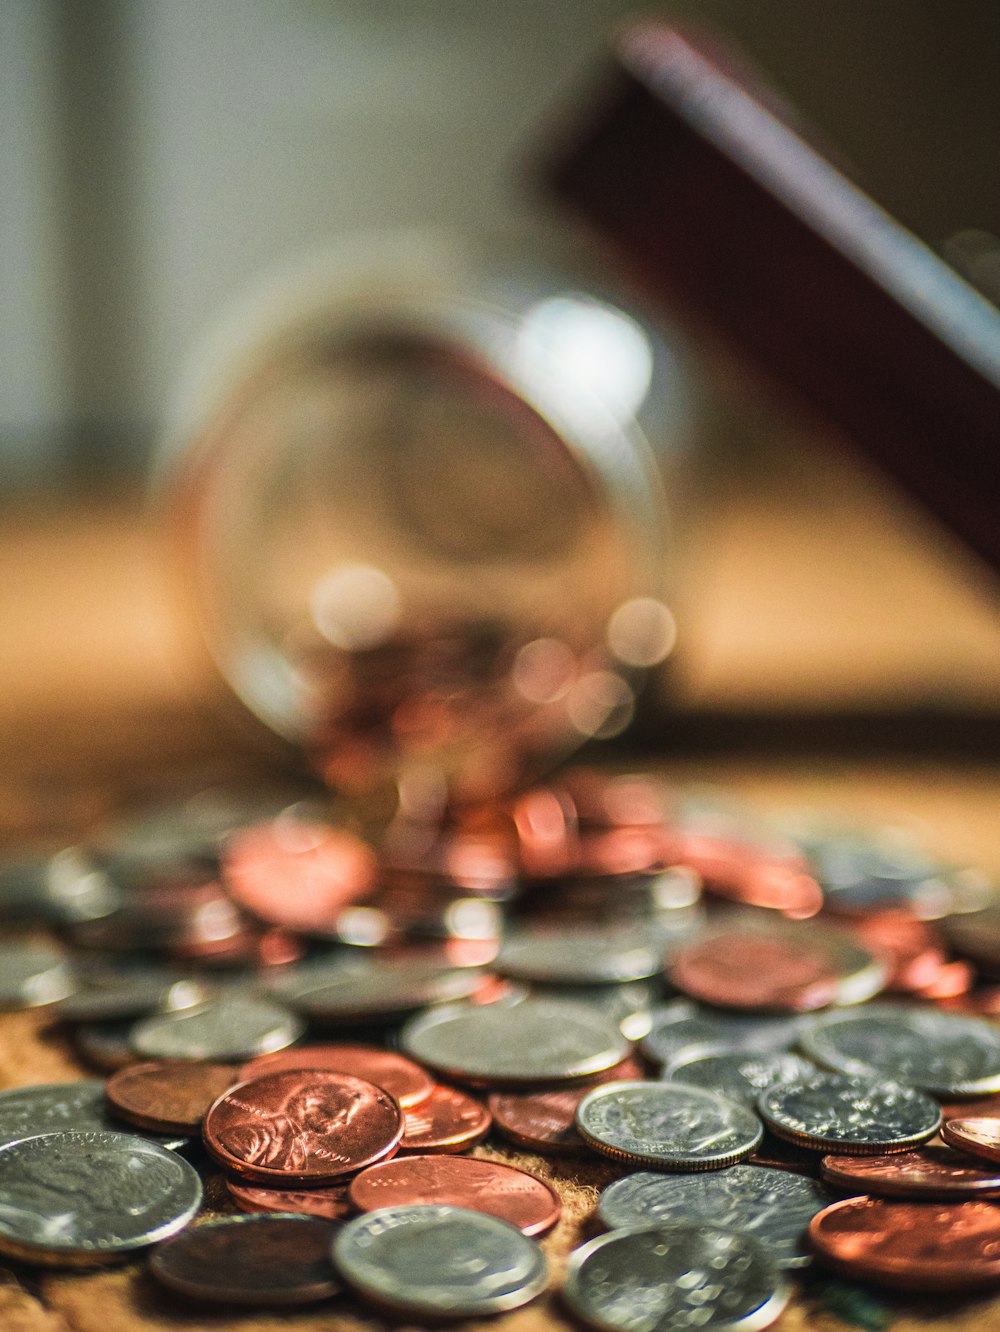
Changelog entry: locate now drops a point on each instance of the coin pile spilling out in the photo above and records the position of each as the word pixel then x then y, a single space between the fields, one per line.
pixel 765 1032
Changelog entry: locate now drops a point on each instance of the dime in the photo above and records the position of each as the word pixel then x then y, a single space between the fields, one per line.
pixel 57 1107
pixel 439 1261
pixel 385 993
pixel 980 1137
pixel 852 1116
pixel 90 1196
pixel 250 1260
pixel 683 1027
pixel 168 1095
pixel 911 1245
pixel 459 1181
pixel 447 1121
pixel 740 1075
pixel 674 1276
pixel 405 1081
pixel 667 1125
pixel 773 1206
pixel 32 975
pixel 578 957
pixel 304 1127
pixel 537 1040
pixel 227 1030
pixel 944 1053
pixel 929 1172
pixel 330 1203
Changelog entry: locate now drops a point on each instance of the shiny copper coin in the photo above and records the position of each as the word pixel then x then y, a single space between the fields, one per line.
pixel 169 1095
pixel 330 1203
pixel 774 878
pixel 305 1127
pixel 447 1121
pixel 911 1245
pixel 982 1107
pixel 460 1181
pixel 928 1172
pixel 980 1137
pixel 910 946
pixel 405 1081
pixel 542 1121
pixel 769 973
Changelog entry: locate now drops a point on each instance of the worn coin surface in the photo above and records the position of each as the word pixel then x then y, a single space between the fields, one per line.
pixel 32 975
pixel 226 1031
pixel 167 1096
pixel 667 1125
pixel 439 1261
pixel 911 1245
pixel 446 1121
pixel 404 1080
pixel 673 1277
pixel 740 1075
pixel 773 1206
pixel 55 1107
pixel 535 1041
pixel 944 1053
pixel 483 1186
pixel 302 1127
pixel 849 1115
pixel 88 1197
pixel 930 1171
pixel 980 1136
pixel 331 1203
pixel 250 1260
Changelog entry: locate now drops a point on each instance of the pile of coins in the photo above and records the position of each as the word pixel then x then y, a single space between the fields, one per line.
pixel 749 1023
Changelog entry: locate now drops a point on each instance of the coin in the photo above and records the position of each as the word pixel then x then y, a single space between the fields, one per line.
pixel 674 1276
pixel 911 1245
pixel 32 975
pixel 850 1115
pixel 439 1261
pixel 459 1181
pixel 537 1040
pixel 578 956
pixel 405 1081
pixel 980 1137
pixel 385 992
pixel 446 1121
pixel 302 1127
pixel 944 1053
pixel 929 1172
pixel 682 1027
pixel 56 1107
pixel 544 1121
pixel 330 1203
pixel 667 1125
pixel 227 1030
pixel 740 1075
pixel 773 1206
pixel 168 1095
pixel 88 1197
pixel 250 1260
pixel 133 997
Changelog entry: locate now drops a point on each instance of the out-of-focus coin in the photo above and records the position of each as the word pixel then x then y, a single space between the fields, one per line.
pixel 227 1031
pixel 827 1112
pixel 911 1245
pixel 980 1137
pixel 330 1203
pixel 929 1172
pixel 943 1053
pixel 89 1197
pixel 446 1121
pixel 438 1261
pixel 667 1125
pixel 535 1041
pixel 578 956
pixel 459 1181
pixel 135 997
pixel 57 1107
pixel 105 1045
pixel 305 1127
pixel 777 1154
pixel 773 1206
pixel 740 1075
pixel 385 992
pixel 630 1004
pixel 250 1260
pixel 544 1121
pixel 404 1080
pixel 674 1276
pixel 168 1096
pixel 977 937
pixel 32 975
pixel 682 1026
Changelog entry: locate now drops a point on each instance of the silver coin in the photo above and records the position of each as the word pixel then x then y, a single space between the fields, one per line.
pixel 105 1045
pixel 944 1053
pixel 226 1031
pixel 32 975
pixel 440 1261
pixel 667 1125
pixel 683 1026
pixel 134 997
pixel 385 992
pixel 739 1074
pixel 579 957
pixel 537 1040
pixel 774 1206
pixel 827 1112
pixel 90 1197
pixel 674 1277
pixel 56 1107
pixel 630 1005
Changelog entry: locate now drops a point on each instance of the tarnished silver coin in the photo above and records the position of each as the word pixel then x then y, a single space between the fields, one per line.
pixel 91 1197
pixel 56 1107
pixel 667 1125
pixel 739 1074
pixel 32 975
pixel 228 1030
pixel 384 993
pixel 535 1041
pixel 682 1026
pixel 439 1261
pixel 827 1112
pixel 674 1277
pixel 579 956
pixel 945 1053
pixel 774 1206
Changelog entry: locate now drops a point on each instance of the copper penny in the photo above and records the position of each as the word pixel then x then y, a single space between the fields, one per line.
pixel 405 1081
pixel 929 1172
pixel 543 1121
pixel 168 1095
pixel 447 1121
pixel 330 1203
pixel 499 1190
pixel 911 1245
pixel 770 973
pixel 302 1127
pixel 980 1107
pixel 979 1137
